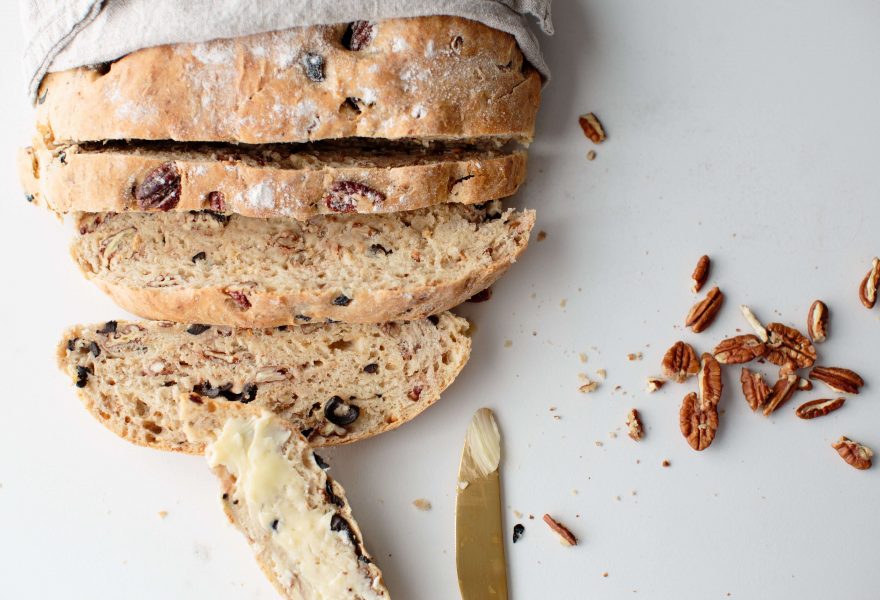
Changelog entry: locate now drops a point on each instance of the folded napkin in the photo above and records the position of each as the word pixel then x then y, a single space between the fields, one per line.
pixel 62 34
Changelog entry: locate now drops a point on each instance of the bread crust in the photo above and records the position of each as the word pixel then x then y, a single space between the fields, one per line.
pixel 436 78
pixel 104 181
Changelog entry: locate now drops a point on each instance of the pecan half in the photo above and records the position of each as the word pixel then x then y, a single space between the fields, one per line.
pixel 160 189
pixel 739 349
pixel 855 454
pixel 710 380
pixel 870 284
pixel 818 408
pixel 781 392
pixel 698 422
pixel 704 312
pixel 561 530
pixel 634 425
pixel 817 322
pixel 700 274
pixel 755 389
pixel 838 379
pixel 592 128
pixel 760 330
pixel 787 344
pixel 680 362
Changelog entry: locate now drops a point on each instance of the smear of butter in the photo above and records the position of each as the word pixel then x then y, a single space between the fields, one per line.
pixel 482 453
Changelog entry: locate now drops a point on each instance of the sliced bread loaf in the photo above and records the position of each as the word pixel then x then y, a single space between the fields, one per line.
pixel 431 78
pixel 335 383
pixel 275 491
pixel 265 181
pixel 232 270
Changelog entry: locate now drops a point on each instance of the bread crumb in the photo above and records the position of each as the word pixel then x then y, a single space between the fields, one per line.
pixel 601 374
pixel 591 155
pixel 634 356
pixel 583 357
pixel 605 574
pixel 562 303
pixel 517 514
pixel 665 463
pixel 508 343
pixel 654 384
pixel 422 504
pixel 542 235
pixel 598 443
pixel 163 514
pixel 589 386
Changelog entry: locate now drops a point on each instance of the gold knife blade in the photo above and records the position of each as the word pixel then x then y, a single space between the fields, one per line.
pixel 479 531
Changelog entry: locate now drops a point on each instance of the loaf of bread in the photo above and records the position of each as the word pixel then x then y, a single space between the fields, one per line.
pixel 276 491
pixel 205 267
pixel 426 78
pixel 265 181
pixel 335 383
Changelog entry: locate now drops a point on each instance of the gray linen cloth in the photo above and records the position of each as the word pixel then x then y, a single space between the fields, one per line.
pixel 62 34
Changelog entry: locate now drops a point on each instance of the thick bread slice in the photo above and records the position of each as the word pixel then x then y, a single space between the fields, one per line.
pixel 275 491
pixel 209 268
pixel 266 181
pixel 431 78
pixel 130 374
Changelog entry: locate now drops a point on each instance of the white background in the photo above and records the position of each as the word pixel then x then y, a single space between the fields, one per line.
pixel 748 131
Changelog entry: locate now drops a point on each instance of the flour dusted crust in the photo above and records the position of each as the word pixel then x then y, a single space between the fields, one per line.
pixel 130 374
pixel 269 181
pixel 429 77
pixel 305 487
pixel 233 270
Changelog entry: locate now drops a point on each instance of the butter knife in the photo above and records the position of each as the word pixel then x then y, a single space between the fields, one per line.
pixel 479 531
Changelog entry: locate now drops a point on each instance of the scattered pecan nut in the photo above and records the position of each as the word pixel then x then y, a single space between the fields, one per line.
pixel 787 344
pixel 817 322
pixel 818 408
pixel 755 389
pixel 838 379
pixel 592 128
pixel 634 425
pixel 739 349
pixel 710 380
pixel 680 362
pixel 782 391
pixel 698 422
pixel 701 273
pixel 565 536
pixel 358 35
pixel 160 189
pixel 870 284
pixel 760 330
pixel 704 312
pixel 855 454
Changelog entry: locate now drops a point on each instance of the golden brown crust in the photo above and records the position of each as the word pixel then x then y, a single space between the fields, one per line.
pixel 429 77
pixel 103 181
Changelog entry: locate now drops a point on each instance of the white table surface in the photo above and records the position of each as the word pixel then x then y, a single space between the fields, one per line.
pixel 748 131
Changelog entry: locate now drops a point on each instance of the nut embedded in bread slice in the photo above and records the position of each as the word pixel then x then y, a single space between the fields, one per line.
pixel 275 491
pixel 232 270
pixel 335 383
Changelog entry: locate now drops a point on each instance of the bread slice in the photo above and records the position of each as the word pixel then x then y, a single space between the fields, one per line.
pixel 428 78
pixel 234 270
pixel 276 492
pixel 266 181
pixel 335 383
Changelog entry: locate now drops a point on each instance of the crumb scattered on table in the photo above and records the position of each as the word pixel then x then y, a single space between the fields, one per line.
pixel 422 504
